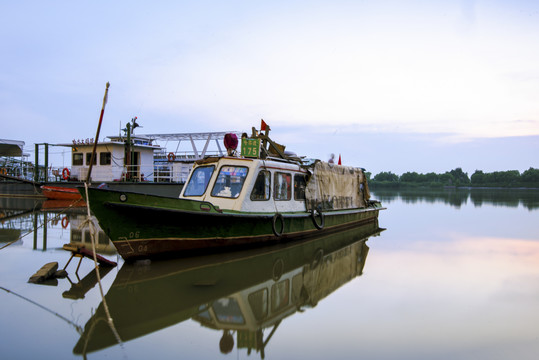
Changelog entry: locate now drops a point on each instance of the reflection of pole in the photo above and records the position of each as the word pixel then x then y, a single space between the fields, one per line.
pixel 35 231
pixel 45 231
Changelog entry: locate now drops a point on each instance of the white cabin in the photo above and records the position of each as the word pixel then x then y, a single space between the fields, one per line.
pixel 248 185
pixel 110 163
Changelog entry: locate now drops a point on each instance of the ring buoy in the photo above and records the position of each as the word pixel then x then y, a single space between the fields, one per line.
pixel 65 173
pixel 316 212
pixel 278 269
pixel 3 171
pixel 274 224
pixel 65 222
pixel 171 157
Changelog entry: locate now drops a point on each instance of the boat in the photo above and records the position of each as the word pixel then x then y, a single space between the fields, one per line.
pixel 133 162
pixel 262 287
pixel 259 195
pixel 60 193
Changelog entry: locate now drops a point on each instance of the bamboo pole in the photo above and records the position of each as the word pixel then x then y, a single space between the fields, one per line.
pixel 97 133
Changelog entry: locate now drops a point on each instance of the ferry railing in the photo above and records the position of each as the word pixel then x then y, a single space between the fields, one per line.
pixel 166 172
pixel 17 168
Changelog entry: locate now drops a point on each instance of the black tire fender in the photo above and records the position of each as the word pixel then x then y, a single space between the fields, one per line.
pixel 280 218
pixel 316 212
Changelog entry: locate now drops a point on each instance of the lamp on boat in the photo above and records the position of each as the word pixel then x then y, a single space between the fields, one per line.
pixel 135 124
pixel 231 143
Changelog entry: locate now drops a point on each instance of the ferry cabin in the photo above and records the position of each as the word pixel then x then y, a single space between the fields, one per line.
pixel 112 161
pixel 248 185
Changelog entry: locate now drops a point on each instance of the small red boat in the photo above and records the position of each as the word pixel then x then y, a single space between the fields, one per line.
pixel 60 193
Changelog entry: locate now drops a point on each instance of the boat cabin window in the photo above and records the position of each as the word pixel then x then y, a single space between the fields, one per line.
pixel 89 158
pixel 282 186
pixel 105 158
pixel 299 187
pixel 228 311
pixel 259 303
pixel 77 159
pixel 262 188
pixel 280 295
pixel 229 181
pixel 199 181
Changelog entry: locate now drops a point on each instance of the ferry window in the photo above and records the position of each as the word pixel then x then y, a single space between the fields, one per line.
pixel 259 303
pixel 299 187
pixel 89 158
pixel 228 311
pixel 230 181
pixel 105 158
pixel 199 181
pixel 280 295
pixel 262 187
pixel 283 186
pixel 77 159
pixel 204 312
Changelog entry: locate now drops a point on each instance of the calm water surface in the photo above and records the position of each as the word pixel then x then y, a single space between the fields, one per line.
pixel 455 275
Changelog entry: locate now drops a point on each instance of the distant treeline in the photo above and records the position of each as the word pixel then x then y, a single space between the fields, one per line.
pixel 457 177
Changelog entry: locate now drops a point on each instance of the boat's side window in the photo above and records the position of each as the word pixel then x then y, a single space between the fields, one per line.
pixel 262 187
pixel 105 158
pixel 299 187
pixel 259 303
pixel 282 186
pixel 198 182
pixel 228 311
pixel 77 159
pixel 280 295
pixel 89 158
pixel 229 181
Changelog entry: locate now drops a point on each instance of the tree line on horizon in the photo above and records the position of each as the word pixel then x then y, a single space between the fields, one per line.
pixel 457 177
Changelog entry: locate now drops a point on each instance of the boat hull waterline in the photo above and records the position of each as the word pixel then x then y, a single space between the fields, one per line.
pixel 145 226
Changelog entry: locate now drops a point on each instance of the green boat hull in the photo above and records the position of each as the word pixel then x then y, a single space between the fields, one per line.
pixel 147 226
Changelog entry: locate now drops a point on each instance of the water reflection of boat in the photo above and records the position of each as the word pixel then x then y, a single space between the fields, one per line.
pixel 245 292
pixel 15 218
pixel 80 235
pixel 62 204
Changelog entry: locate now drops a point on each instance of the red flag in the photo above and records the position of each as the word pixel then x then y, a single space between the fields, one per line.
pixel 263 125
pixel 339 163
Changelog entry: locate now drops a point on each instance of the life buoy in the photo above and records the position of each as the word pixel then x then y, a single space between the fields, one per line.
pixel 65 173
pixel 317 212
pixel 171 157
pixel 278 269
pixel 65 222
pixel 274 224
pixel 3 171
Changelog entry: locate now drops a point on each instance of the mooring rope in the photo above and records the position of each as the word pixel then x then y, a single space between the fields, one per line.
pixel 77 327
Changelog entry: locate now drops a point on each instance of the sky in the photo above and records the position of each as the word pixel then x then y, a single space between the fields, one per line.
pixel 389 85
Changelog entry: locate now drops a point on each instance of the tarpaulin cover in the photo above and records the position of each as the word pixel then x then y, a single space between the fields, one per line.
pixel 336 187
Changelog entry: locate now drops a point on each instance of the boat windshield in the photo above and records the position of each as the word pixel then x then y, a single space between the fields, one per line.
pixel 230 181
pixel 199 181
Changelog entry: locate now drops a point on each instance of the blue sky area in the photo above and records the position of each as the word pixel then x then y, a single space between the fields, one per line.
pixel 390 85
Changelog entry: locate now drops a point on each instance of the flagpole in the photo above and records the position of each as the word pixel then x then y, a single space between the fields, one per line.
pixel 97 133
